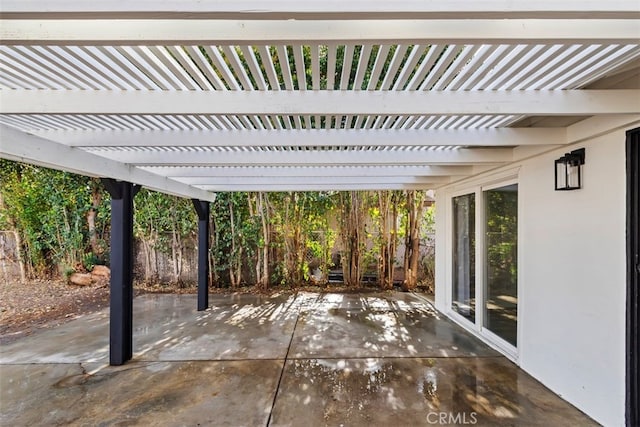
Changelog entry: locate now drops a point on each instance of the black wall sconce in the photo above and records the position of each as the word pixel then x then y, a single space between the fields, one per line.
pixel 569 170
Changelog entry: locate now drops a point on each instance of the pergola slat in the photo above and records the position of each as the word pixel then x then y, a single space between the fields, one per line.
pixel 457 66
pixel 476 63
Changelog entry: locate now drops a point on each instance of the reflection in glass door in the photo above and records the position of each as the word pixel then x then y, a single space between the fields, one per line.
pixel 464 265
pixel 501 257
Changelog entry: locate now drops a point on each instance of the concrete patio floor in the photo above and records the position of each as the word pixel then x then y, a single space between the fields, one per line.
pixel 301 359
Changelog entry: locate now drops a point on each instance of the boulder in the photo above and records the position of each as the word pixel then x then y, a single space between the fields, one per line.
pixel 80 279
pixel 101 270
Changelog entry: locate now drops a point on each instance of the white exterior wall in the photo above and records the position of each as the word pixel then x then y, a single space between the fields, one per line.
pixel 572 282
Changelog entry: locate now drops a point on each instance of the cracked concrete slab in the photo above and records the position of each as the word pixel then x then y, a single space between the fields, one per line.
pixel 486 391
pixel 139 393
pixel 379 326
pixel 286 359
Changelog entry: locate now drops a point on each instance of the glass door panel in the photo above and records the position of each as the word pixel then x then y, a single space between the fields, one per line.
pixel 464 263
pixel 501 257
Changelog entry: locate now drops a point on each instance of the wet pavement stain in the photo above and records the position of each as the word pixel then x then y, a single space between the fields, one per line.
pixel 185 393
pixel 406 391
pixel 378 359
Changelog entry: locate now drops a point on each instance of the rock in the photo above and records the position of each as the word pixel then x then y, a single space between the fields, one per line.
pixel 80 279
pixel 101 270
pixel 100 280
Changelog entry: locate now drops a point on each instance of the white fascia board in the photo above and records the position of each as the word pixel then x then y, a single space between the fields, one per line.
pixel 307 137
pixel 513 102
pixel 23 147
pixel 317 172
pixel 311 8
pixel 582 131
pixel 596 126
pixel 136 32
pixel 301 180
pixel 319 187
pixel 312 157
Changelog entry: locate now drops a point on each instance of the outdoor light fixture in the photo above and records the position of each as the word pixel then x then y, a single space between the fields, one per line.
pixel 569 171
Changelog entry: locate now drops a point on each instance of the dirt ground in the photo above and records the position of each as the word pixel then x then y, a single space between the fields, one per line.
pixel 39 304
pixel 27 307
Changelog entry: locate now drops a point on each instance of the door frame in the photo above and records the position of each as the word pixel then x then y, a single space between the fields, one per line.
pixel 633 277
pixel 478 187
pixel 509 350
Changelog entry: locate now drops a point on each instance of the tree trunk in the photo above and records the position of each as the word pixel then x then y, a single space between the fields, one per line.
pixel 412 239
pixel 213 269
pixel 394 232
pixel 293 240
pixel 238 266
pixel 69 252
pixel 264 216
pixel 18 239
pixel 174 252
pixel 232 271
pixel 154 267
pixel 352 234
pixel 385 261
pixel 236 254
pixel 253 212
pixel 180 256
pixel 23 270
pixel 96 199
pixel 147 260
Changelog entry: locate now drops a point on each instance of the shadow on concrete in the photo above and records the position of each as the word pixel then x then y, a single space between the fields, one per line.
pixel 285 359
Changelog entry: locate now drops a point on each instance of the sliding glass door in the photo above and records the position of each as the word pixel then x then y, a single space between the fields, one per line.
pixel 485 230
pixel 464 263
pixel 501 262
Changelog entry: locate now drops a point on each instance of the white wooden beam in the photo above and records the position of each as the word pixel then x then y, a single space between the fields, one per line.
pixel 596 126
pixel 467 9
pixel 320 187
pixel 586 129
pixel 307 137
pixel 316 172
pixel 518 102
pixel 469 156
pixel 91 32
pixel 22 147
pixel 311 180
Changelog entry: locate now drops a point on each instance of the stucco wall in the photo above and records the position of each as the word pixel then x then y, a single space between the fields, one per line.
pixel 572 276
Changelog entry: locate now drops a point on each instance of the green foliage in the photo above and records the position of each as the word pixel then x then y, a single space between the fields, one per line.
pixel 501 237
pixel 67 272
pixel 63 221
pixel 90 260
pixel 48 209
pixel 158 215
pixel 235 236
pixel 427 237
pixel 302 234
pixel 428 225
pixel 163 224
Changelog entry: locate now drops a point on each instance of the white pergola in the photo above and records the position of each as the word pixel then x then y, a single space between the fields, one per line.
pixel 193 97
